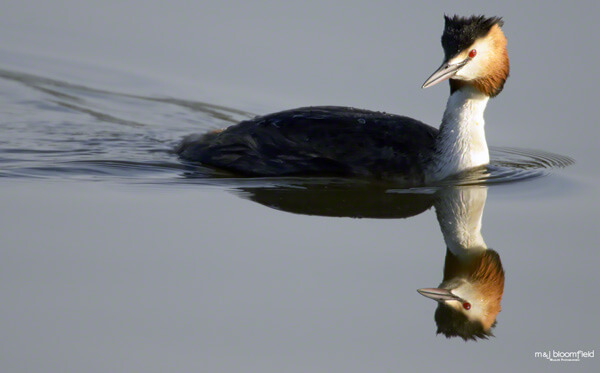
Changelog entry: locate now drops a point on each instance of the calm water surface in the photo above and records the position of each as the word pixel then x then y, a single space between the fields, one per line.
pixel 118 256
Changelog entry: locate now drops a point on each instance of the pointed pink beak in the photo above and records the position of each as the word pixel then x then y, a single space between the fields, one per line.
pixel 438 294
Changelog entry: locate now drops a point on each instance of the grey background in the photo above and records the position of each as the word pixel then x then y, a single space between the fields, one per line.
pixel 103 277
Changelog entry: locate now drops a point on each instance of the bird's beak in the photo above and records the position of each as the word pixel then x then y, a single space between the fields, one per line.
pixel 446 71
pixel 437 294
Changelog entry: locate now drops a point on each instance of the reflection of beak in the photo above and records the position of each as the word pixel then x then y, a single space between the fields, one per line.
pixel 439 295
pixel 446 71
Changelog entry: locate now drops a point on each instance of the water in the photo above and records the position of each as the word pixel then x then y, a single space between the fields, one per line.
pixel 125 137
pixel 118 256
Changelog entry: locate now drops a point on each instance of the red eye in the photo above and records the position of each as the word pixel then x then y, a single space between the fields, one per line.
pixel 472 53
pixel 467 306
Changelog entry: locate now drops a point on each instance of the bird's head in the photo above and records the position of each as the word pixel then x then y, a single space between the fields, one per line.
pixel 474 55
pixel 469 296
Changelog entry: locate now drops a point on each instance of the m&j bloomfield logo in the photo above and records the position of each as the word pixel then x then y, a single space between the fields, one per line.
pixel 554 355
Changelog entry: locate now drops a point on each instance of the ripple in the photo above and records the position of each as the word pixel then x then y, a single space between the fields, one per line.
pixel 508 165
pixel 56 129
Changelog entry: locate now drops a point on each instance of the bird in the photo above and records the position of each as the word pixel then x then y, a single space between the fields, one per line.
pixel 345 141
pixel 471 290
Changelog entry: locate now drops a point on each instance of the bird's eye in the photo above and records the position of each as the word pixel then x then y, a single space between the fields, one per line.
pixel 466 305
pixel 473 53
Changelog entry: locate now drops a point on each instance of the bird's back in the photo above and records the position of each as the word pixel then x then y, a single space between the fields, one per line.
pixel 326 140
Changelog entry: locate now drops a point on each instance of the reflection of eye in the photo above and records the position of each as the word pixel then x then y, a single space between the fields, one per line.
pixel 473 53
pixel 467 305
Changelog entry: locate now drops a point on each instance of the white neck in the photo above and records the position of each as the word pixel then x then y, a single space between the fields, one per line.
pixel 460 143
pixel 459 212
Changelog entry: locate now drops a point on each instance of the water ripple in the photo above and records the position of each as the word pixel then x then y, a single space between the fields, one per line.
pixel 56 129
pixel 509 165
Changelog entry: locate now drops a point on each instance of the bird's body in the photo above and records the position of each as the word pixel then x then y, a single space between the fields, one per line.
pixel 319 140
pixel 330 140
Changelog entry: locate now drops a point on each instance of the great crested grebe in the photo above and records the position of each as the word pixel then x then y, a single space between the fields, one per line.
pixel 331 140
pixel 471 290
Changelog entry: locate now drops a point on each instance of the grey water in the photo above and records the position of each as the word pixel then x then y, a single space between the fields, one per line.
pixel 117 256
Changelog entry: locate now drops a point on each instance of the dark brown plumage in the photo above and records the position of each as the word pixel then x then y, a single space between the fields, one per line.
pixel 318 140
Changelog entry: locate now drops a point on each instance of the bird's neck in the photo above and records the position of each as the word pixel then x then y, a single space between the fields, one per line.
pixel 460 143
pixel 459 211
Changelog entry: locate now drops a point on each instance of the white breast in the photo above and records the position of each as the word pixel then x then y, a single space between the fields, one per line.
pixel 461 143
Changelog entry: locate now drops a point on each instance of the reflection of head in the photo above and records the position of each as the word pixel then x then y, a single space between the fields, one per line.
pixel 477 283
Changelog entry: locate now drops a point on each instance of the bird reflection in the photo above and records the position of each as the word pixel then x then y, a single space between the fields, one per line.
pixel 353 198
pixel 473 279
pixel 471 289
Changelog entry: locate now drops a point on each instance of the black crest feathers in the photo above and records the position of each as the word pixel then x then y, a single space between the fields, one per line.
pixel 461 32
